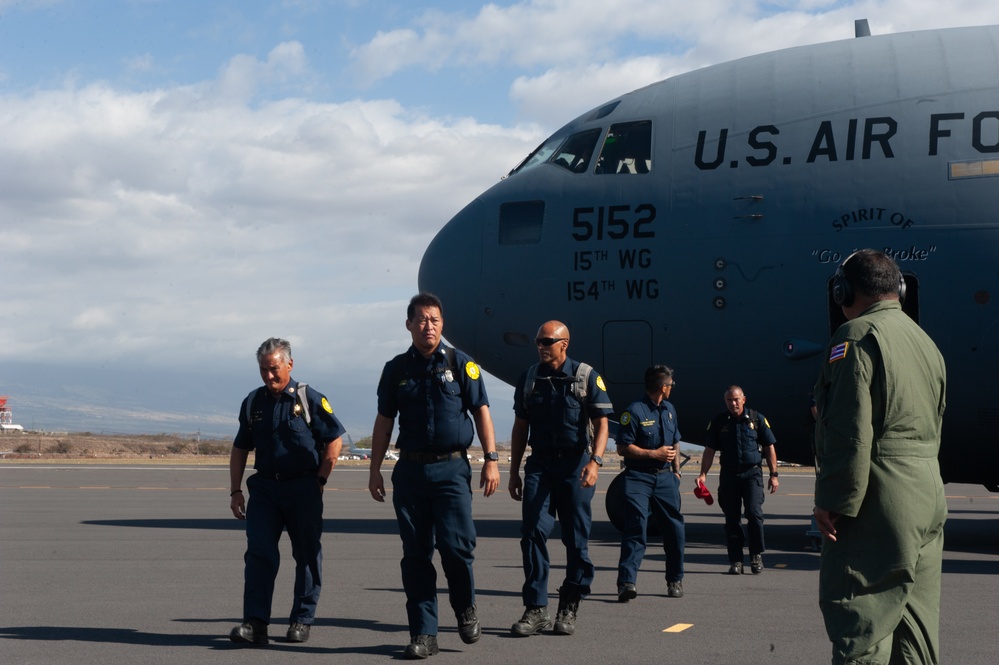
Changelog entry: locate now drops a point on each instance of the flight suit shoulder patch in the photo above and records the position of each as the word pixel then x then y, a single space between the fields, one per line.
pixel 472 370
pixel 625 418
pixel 838 352
pixel 326 406
pixel 600 383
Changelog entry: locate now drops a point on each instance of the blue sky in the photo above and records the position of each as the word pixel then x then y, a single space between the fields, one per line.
pixel 180 180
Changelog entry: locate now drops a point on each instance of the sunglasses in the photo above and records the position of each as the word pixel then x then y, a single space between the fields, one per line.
pixel 548 341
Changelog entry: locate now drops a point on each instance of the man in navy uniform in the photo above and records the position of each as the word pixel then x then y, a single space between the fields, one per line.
pixel 648 440
pixel 433 388
pixel 296 437
pixel 556 402
pixel 745 439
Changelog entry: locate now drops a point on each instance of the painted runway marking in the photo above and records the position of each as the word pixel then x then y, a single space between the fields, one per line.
pixel 678 628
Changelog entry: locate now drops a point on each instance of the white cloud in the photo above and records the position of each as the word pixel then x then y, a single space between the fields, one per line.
pixel 587 51
pixel 143 223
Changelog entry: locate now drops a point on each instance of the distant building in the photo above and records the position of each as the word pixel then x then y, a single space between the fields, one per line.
pixel 7 418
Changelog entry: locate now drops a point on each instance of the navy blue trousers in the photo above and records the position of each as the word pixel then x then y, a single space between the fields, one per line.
pixel 737 492
pixel 552 487
pixel 275 506
pixel 433 505
pixel 658 495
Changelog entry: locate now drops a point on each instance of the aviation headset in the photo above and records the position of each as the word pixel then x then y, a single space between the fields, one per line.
pixel 842 290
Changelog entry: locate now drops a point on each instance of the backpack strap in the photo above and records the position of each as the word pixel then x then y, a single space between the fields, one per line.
pixel 249 402
pixel 754 417
pixel 532 376
pixel 303 399
pixel 581 382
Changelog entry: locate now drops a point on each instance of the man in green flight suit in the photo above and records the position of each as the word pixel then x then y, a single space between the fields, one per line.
pixel 879 499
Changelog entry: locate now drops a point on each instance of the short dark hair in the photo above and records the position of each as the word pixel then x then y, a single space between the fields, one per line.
pixel 272 346
pixel 423 299
pixel 872 273
pixel 656 377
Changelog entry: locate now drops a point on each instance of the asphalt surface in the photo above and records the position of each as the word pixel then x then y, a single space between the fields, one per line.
pixel 108 565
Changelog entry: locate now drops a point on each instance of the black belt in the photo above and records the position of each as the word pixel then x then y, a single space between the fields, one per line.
pixel 741 468
pixel 653 470
pixel 423 457
pixel 558 452
pixel 286 476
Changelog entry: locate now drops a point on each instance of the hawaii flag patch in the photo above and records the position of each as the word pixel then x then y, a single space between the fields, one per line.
pixel 838 352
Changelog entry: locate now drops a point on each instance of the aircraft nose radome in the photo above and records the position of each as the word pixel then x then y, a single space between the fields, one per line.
pixel 452 269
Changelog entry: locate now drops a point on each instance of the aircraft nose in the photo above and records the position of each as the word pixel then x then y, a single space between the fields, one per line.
pixel 452 269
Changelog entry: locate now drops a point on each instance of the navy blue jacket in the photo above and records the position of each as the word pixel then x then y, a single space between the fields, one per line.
pixel 278 433
pixel 432 399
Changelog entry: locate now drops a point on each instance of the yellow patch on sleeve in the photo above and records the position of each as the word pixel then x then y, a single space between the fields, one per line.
pixel 472 370
pixel 600 383
pixel 625 418
pixel 326 406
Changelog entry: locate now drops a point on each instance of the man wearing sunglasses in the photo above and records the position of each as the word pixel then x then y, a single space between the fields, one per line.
pixel 561 409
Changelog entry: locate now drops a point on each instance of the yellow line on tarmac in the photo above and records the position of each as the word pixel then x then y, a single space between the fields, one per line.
pixel 678 628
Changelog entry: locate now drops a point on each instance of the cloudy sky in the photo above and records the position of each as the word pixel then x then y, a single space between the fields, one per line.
pixel 180 179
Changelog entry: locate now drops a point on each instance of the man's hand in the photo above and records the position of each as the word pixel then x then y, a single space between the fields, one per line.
pixel 665 453
pixel 588 478
pixel 237 504
pixel 376 486
pixel 826 522
pixel 489 478
pixel 516 486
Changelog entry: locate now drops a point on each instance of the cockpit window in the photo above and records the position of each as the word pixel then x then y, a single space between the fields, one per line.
pixel 575 153
pixel 627 149
pixel 540 154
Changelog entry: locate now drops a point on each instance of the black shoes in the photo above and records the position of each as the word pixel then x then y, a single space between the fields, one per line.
pixel 735 568
pixel 565 619
pixel 535 620
pixel 626 592
pixel 468 626
pixel 756 564
pixel 298 632
pixel 674 589
pixel 421 646
pixel 252 631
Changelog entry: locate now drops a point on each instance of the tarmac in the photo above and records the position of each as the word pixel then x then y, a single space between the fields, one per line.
pixel 143 564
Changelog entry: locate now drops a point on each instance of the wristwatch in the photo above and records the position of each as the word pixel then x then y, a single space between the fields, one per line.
pixel 598 459
pixel 321 480
pixel 492 456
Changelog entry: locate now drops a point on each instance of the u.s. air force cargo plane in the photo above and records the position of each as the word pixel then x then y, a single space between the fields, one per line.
pixel 697 222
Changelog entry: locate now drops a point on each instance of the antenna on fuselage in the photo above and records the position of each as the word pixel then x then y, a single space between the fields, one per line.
pixel 861 28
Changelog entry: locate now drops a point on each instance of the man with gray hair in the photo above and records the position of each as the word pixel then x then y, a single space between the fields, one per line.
pixel 297 439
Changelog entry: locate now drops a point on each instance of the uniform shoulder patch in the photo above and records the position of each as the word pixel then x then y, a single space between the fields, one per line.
pixel 472 370
pixel 600 383
pixel 625 418
pixel 838 352
pixel 326 406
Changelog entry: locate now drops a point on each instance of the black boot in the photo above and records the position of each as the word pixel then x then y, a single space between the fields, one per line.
pixel 568 606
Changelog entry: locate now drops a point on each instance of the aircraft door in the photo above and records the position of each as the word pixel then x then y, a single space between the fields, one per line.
pixel 627 353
